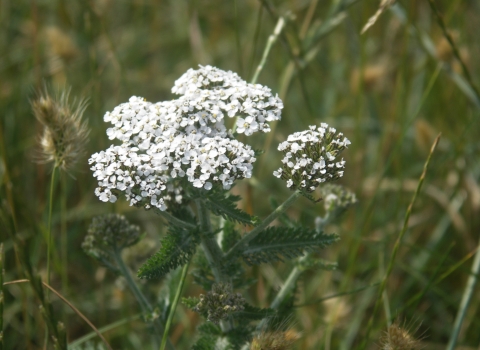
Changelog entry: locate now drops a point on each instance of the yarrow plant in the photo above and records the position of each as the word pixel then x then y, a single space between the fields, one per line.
pixel 179 157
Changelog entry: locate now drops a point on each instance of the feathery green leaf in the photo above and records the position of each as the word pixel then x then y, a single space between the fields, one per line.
pixel 278 243
pixel 177 247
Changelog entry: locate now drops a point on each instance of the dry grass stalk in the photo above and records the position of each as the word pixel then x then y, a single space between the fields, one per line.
pixel 384 4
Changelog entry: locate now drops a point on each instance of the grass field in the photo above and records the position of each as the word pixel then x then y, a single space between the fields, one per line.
pixel 391 91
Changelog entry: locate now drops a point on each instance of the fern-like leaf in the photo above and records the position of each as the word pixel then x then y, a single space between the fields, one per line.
pixel 278 243
pixel 177 247
pixel 226 207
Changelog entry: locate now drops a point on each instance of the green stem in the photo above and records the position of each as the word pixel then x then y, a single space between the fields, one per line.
pixel 142 300
pixel 212 251
pixel 271 40
pixel 49 243
pixel 102 330
pixel 263 225
pixel 174 306
pixel 467 297
pixel 49 227
pixel 1 296
pixel 175 221
pixel 63 233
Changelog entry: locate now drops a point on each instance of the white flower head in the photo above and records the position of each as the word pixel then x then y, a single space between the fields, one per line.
pixel 311 157
pixel 185 138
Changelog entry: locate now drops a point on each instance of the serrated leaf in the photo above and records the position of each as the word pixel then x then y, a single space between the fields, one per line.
pixel 279 243
pixel 226 206
pixel 177 247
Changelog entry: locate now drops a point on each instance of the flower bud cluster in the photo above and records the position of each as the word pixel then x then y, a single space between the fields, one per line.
pixel 218 303
pixel 183 138
pixel 108 234
pixel 337 197
pixel 311 157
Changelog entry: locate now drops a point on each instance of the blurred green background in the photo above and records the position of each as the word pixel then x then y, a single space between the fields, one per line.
pixel 390 90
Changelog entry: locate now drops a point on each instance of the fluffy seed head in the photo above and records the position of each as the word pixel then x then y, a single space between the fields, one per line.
pixel 275 340
pixel 399 337
pixel 311 157
pixel 64 132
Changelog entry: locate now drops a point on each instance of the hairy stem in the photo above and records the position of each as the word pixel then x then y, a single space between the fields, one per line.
pixel 175 221
pixel 142 300
pixel 263 225
pixel 174 306
pixel 212 251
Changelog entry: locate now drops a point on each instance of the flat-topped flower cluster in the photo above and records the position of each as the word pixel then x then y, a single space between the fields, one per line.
pixel 311 157
pixel 184 137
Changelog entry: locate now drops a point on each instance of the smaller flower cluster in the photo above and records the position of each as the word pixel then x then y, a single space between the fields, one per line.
pixel 311 157
pixel 107 235
pixel 220 302
pixel 337 197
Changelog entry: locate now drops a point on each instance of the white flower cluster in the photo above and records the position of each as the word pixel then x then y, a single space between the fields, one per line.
pixel 337 197
pixel 311 157
pixel 184 138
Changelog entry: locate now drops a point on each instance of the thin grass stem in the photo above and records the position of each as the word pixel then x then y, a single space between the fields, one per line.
pixel 237 39
pixel 174 305
pixel 398 243
pixel 49 226
pixel 455 50
pixel 466 298
pixel 61 297
pixel 271 40
pixel 1 295
pixel 102 330
pixel 142 300
pixel 49 243
pixel 63 232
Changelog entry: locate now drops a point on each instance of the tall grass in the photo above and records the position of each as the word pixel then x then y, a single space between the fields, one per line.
pixel 391 90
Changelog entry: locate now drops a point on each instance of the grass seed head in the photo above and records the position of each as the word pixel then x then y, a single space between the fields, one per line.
pixel 275 340
pixel 400 337
pixel 64 132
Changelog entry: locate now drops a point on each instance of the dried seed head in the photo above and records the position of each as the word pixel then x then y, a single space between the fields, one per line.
pixel 277 340
pixel 109 234
pixel 64 133
pixel 399 337
pixel 218 303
